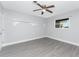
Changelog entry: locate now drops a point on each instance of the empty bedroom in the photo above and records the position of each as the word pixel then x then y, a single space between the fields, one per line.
pixel 39 29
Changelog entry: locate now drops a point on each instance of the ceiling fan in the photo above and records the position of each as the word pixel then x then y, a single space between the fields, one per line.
pixel 44 8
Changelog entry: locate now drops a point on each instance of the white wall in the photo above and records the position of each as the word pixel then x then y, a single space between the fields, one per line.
pixel 1 25
pixel 71 34
pixel 0 16
pixel 39 27
pixel 33 28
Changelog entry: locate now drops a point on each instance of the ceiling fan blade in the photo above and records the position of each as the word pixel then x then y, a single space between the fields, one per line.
pixel 37 9
pixel 35 1
pixel 38 4
pixel 50 6
pixel 42 13
pixel 49 11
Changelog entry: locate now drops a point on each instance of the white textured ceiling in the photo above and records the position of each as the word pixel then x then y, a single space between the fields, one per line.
pixel 27 7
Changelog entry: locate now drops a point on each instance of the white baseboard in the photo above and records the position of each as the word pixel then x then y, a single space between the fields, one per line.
pixel 4 45
pixel 64 41
pixel 12 43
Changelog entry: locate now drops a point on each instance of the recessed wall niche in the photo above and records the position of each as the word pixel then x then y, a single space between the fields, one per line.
pixel 62 23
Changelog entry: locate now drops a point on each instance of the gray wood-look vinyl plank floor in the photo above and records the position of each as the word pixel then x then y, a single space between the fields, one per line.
pixel 43 47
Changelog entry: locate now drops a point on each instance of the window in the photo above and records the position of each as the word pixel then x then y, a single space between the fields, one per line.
pixel 62 23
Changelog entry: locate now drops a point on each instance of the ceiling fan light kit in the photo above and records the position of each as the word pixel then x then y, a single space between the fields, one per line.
pixel 44 8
